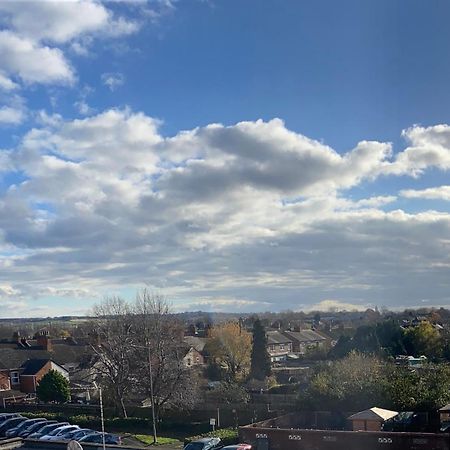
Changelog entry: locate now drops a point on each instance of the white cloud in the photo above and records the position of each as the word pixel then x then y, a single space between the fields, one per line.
pixel 437 193
pixel 6 84
pixel 11 116
pixel 45 119
pixel 429 147
pixel 32 37
pixel 62 21
pixel 113 80
pixel 32 62
pixel 83 108
pixel 337 305
pixel 252 213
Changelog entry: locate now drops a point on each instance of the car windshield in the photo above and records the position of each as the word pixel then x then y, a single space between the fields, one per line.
pixel 55 431
pixel 66 430
pixel 194 446
pixel 15 421
pixel 36 426
pixel 79 433
pixel 48 428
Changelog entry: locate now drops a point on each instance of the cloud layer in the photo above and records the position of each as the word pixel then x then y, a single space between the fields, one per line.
pixel 254 214
pixel 35 38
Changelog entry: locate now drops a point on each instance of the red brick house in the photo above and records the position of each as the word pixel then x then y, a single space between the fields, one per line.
pixel 32 372
pixel 5 384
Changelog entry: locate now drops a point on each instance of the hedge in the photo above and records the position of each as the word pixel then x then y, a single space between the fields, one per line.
pixel 116 423
pixel 229 436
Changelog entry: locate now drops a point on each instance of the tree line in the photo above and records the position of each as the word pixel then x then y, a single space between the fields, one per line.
pixel 138 353
pixel 360 381
pixel 389 339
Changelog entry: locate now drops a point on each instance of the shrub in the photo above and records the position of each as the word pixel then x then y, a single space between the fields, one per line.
pixel 229 436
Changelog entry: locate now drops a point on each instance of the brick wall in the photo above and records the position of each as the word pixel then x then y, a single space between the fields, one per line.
pixel 299 439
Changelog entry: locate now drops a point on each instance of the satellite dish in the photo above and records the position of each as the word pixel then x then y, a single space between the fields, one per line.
pixel 74 445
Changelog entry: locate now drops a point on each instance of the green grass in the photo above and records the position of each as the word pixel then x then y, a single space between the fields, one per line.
pixel 148 440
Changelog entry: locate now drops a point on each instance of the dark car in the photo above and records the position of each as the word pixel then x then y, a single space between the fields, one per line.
pixel 5 416
pixel 10 423
pixel 13 432
pixel 97 438
pixel 76 435
pixel 204 444
pixel 46 429
pixel 35 428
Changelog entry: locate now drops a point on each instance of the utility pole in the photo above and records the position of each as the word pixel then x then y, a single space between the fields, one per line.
pixel 152 397
pixel 102 416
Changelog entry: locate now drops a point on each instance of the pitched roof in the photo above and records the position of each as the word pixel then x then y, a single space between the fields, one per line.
pixel 305 336
pixel 276 337
pixel 13 357
pixel 195 342
pixel 374 414
pixel 33 366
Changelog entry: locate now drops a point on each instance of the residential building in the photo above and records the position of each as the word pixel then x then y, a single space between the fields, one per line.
pixel 278 346
pixel 304 340
pixel 193 358
pixel 32 372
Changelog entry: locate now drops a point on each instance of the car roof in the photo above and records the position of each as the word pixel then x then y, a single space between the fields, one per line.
pixel 63 427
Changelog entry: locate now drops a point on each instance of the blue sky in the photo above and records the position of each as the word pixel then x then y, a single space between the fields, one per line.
pixel 131 153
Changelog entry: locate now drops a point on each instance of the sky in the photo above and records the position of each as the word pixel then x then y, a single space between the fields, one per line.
pixel 235 156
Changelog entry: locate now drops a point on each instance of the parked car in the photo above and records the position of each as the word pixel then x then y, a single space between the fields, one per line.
pixel 204 444
pixel 13 432
pixel 5 416
pixel 10 423
pixel 58 433
pixel 238 447
pixel 76 435
pixel 46 430
pixel 97 438
pixel 35 428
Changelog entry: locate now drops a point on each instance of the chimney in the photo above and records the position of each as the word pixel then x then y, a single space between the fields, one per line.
pixel 16 337
pixel 43 340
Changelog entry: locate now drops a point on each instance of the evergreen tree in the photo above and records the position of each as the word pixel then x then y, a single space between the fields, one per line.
pixel 53 387
pixel 260 359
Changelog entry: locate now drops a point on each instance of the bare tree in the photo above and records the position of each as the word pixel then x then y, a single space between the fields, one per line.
pixel 159 343
pixel 113 349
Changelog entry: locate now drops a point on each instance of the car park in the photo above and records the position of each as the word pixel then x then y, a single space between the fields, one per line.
pixel 46 430
pixel 35 428
pixel 58 433
pixel 10 423
pixel 13 432
pixel 97 438
pixel 204 444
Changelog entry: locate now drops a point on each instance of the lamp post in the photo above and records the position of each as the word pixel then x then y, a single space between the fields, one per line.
pixel 102 416
pixel 152 396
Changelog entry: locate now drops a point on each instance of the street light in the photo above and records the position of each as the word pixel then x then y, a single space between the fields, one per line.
pixel 99 388
pixel 152 397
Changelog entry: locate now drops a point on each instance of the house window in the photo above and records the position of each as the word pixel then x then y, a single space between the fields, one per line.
pixel 281 346
pixel 15 378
